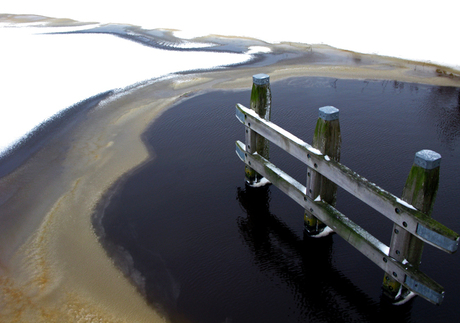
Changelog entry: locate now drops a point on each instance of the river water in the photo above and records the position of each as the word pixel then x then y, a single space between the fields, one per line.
pixel 203 247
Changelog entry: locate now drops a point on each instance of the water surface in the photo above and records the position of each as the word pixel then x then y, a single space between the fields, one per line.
pixel 204 247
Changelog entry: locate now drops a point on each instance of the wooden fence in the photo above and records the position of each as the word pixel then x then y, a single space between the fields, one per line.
pixel 413 225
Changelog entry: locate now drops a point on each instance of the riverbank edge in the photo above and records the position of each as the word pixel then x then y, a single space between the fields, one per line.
pixel 61 272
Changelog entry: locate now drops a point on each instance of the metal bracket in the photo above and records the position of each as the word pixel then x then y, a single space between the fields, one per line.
pixel 437 238
pixel 423 290
pixel 240 115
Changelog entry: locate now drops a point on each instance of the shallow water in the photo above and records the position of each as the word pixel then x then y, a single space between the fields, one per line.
pixel 205 248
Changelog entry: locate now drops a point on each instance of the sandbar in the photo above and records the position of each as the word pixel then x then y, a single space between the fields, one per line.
pixel 52 266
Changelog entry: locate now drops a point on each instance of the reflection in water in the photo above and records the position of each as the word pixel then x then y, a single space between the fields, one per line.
pixel 443 106
pixel 207 255
pixel 321 291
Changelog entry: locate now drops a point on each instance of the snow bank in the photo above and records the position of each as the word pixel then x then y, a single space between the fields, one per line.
pixel 404 29
pixel 43 74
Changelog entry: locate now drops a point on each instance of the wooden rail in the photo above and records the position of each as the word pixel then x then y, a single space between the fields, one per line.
pixel 395 209
pixel 403 214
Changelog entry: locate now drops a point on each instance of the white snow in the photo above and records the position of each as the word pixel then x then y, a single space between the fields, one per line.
pixel 263 181
pixel 403 29
pixel 406 299
pixel 190 45
pixel 314 150
pixel 384 248
pixel 258 49
pixel 405 203
pixel 327 231
pixel 43 74
pixel 327 158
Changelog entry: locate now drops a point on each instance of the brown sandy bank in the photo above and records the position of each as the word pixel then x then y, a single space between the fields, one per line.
pixel 52 267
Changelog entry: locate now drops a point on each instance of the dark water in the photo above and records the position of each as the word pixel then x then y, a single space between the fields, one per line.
pixel 205 248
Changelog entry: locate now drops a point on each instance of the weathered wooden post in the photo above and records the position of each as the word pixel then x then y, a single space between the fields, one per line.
pixel 419 191
pixel 411 213
pixel 261 98
pixel 328 140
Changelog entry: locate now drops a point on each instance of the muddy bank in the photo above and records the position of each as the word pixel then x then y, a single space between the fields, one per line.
pixel 52 267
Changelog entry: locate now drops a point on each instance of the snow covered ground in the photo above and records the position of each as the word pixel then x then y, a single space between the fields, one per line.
pixel 43 74
pixel 409 29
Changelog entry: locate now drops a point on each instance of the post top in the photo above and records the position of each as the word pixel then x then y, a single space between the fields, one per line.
pixel 427 159
pixel 328 113
pixel 261 79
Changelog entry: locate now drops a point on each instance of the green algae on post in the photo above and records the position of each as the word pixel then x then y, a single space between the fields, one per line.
pixel 261 104
pixel 420 192
pixel 327 139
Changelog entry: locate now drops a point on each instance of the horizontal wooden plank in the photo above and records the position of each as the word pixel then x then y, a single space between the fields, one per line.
pixel 363 241
pixel 412 220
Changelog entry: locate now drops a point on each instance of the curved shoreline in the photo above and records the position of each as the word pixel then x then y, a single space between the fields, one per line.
pixel 52 266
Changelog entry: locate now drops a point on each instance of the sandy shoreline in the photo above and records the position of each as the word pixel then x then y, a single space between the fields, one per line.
pixel 52 267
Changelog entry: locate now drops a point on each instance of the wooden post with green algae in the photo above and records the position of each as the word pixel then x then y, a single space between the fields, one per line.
pixel 328 140
pixel 261 98
pixel 419 191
